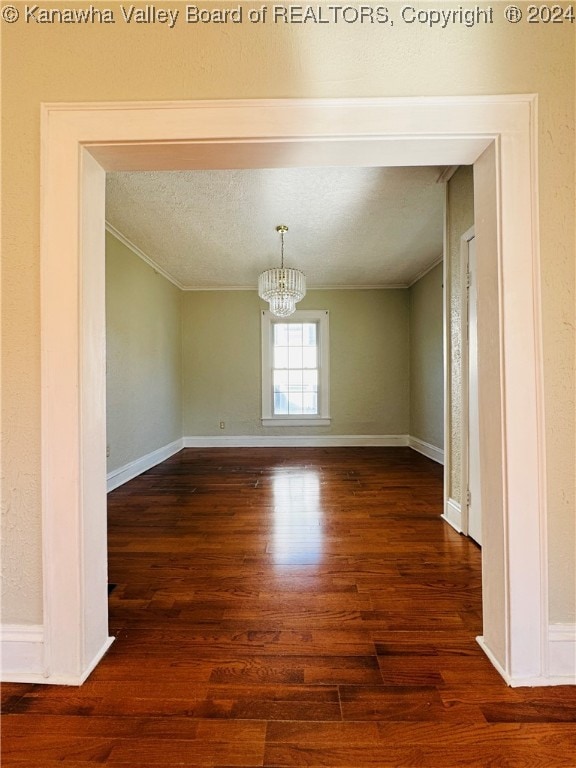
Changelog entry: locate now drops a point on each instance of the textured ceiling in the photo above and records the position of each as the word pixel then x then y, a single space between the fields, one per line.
pixel 347 226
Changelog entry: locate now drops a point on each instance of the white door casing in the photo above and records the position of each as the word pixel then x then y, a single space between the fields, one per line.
pixel 470 483
pixel 80 141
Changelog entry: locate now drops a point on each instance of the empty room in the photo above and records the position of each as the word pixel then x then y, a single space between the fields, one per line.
pixel 288 389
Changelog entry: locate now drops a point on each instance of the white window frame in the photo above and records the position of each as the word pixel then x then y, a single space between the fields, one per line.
pixel 321 419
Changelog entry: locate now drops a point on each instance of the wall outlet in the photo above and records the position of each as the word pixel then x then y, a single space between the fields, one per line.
pixel 222 425
pixel 107 451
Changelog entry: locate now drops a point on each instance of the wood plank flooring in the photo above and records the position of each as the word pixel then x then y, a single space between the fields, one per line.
pixel 295 607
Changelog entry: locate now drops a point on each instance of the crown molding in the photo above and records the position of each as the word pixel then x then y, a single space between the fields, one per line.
pixel 392 286
pixel 447 174
pixel 422 274
pixel 157 268
pixel 144 256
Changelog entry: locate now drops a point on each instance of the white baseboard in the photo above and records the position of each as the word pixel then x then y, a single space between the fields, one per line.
pixel 134 468
pixel 561 660
pixel 118 477
pixel 22 654
pixel 562 652
pixel 295 441
pixel 22 651
pixel 427 449
pixel 453 515
pixel 94 663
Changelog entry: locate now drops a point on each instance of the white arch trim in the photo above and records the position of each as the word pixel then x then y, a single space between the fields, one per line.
pixel 81 141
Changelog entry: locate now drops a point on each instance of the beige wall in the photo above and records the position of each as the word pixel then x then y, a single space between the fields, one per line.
pixel 143 357
pixel 151 62
pixel 369 364
pixel 427 358
pixel 459 219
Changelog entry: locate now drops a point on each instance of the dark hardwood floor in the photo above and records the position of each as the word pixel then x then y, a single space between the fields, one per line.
pixel 297 607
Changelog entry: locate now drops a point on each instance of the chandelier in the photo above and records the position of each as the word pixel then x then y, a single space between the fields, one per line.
pixel 282 286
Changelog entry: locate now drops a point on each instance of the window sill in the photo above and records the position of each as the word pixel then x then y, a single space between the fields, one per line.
pixel 298 421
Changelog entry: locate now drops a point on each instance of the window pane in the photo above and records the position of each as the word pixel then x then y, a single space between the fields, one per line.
pixel 294 334
pixel 309 334
pixel 295 404
pixel 280 357
pixel 294 381
pixel 310 381
pixel 310 403
pixel 309 357
pixel 280 382
pixel 295 357
pixel 281 334
pixel 280 403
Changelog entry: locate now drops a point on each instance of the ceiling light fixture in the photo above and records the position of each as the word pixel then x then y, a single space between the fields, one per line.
pixel 282 286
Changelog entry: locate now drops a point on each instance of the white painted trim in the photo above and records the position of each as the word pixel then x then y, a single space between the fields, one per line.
pixel 141 255
pixel 192 288
pixel 295 441
pixel 443 178
pixel 447 174
pixel 351 287
pixel 446 358
pixel 498 134
pixel 495 661
pixel 562 657
pixel 426 449
pixel 562 652
pixel 464 371
pixel 453 515
pixel 536 336
pixel 312 421
pixel 424 272
pixel 121 475
pixel 91 665
pixel 22 650
pixel 347 287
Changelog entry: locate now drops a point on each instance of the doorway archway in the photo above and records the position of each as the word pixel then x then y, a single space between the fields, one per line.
pixel 80 142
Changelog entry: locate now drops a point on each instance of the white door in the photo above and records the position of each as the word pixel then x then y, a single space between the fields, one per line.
pixel 473 496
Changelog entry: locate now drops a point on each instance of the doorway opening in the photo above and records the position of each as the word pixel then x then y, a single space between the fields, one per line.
pixel 495 134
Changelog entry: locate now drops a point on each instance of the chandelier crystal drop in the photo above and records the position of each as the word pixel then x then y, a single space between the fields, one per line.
pixel 282 286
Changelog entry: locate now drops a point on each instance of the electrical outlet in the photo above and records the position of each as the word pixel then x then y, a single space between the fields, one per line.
pixel 107 451
pixel 222 425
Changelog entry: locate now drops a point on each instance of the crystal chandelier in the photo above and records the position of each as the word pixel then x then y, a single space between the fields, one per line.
pixel 282 286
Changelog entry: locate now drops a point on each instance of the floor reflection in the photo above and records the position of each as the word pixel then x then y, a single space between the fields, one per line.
pixel 298 533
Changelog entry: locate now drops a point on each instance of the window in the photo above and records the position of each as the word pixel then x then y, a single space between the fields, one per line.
pixel 295 369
